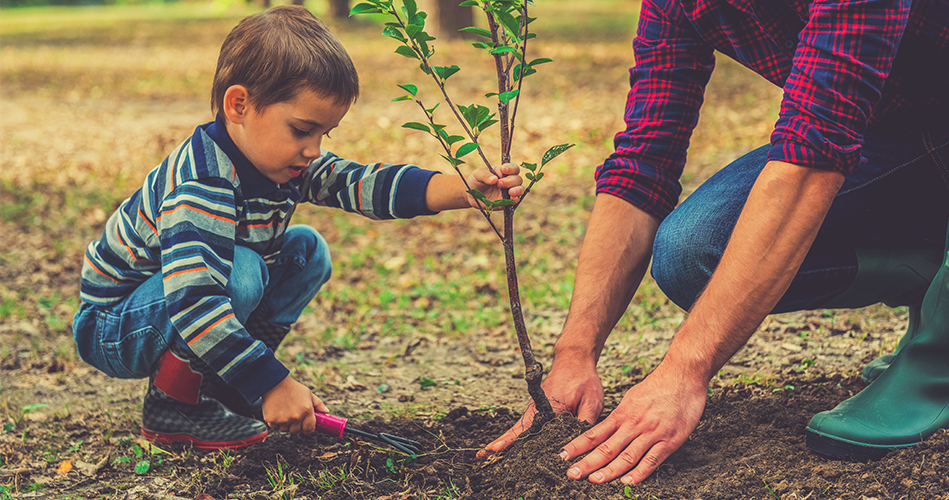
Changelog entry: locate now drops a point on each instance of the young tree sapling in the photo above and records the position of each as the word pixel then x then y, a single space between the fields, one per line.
pixel 505 41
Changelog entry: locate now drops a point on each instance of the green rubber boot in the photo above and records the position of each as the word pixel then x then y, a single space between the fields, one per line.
pixel 896 277
pixel 908 402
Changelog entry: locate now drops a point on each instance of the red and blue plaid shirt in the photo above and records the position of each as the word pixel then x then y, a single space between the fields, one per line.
pixel 844 65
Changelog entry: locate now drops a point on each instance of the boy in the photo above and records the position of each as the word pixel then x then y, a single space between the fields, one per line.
pixel 197 277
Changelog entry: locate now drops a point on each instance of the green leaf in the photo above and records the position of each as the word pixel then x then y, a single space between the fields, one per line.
pixel 527 72
pixel 505 97
pixel 142 467
pixel 137 450
pixel 404 50
pixel 465 149
pixel 38 406
pixel 426 382
pixel 481 45
pixel 541 60
pixel 444 72
pixel 502 203
pixel 454 161
pixel 410 8
pixel 504 49
pixel 477 31
pixel 393 32
pixel 365 8
pixel 511 24
pixel 403 98
pixel 451 139
pixel 554 152
pixel 433 108
pixel 469 3
pixel 529 176
pixel 530 166
pixel 478 195
pixel 417 126
pixel 413 29
pixel 540 175
pixel 411 89
pixel 487 123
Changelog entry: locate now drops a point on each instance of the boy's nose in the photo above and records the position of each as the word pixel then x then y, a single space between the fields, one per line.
pixel 312 150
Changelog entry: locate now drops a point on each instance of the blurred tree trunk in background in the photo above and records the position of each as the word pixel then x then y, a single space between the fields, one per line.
pixel 445 17
pixel 339 9
pixel 297 2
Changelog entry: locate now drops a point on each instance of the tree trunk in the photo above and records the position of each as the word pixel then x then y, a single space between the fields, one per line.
pixel 445 18
pixel 297 2
pixel 339 9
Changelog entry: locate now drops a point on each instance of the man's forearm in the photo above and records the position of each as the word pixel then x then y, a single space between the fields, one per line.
pixel 777 226
pixel 613 260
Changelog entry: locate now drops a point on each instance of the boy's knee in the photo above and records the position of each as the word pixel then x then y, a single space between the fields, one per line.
pixel 685 254
pixel 315 250
pixel 249 277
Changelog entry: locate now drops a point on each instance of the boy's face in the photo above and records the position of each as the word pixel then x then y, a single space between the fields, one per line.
pixel 283 138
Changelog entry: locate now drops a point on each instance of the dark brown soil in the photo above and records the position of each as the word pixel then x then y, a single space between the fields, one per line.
pixel 749 444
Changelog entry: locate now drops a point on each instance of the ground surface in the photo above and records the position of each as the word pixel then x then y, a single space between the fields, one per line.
pixel 411 338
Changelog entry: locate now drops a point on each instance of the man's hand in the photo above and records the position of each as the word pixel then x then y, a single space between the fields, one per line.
pixel 652 421
pixel 571 386
pixel 491 186
pixel 289 407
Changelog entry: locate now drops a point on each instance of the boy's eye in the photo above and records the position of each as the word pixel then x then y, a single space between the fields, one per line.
pixel 300 133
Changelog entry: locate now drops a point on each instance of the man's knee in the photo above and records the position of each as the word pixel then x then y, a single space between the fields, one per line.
pixel 685 255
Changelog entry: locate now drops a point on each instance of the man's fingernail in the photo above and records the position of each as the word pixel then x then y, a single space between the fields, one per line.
pixel 563 455
pixel 596 476
pixel 574 473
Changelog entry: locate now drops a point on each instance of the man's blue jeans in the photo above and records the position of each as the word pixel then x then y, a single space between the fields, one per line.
pixel 897 197
pixel 127 339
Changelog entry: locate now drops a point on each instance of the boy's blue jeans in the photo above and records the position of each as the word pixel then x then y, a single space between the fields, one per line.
pixel 897 197
pixel 127 339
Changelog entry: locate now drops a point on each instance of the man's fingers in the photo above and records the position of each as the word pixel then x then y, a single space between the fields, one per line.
pixel 589 411
pixel 590 439
pixel 603 454
pixel 507 439
pixel 498 445
pixel 649 463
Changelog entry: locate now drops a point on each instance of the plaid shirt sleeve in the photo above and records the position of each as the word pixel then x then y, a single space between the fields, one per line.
pixel 667 86
pixel 843 57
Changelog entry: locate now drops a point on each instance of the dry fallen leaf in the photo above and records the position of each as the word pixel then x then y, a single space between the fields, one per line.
pixel 64 467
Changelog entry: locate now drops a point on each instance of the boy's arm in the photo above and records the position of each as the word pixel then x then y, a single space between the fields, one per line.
pixel 377 190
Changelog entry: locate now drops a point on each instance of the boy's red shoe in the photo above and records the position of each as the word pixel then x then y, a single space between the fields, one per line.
pixel 177 408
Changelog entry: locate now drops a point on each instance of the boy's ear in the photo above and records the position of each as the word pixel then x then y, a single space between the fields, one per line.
pixel 236 103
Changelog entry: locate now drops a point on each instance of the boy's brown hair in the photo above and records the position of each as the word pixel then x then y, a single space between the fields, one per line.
pixel 279 52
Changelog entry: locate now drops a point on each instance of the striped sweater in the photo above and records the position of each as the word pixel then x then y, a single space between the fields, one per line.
pixel 192 210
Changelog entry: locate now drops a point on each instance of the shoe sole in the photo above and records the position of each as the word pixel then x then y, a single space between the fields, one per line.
pixel 161 437
pixel 841 448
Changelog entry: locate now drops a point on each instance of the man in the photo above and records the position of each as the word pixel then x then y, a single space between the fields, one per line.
pixel 846 207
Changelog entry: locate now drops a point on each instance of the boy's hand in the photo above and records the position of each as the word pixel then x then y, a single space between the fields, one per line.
pixel 489 184
pixel 289 407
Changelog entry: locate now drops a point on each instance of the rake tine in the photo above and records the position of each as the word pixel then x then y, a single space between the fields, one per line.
pixel 402 444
